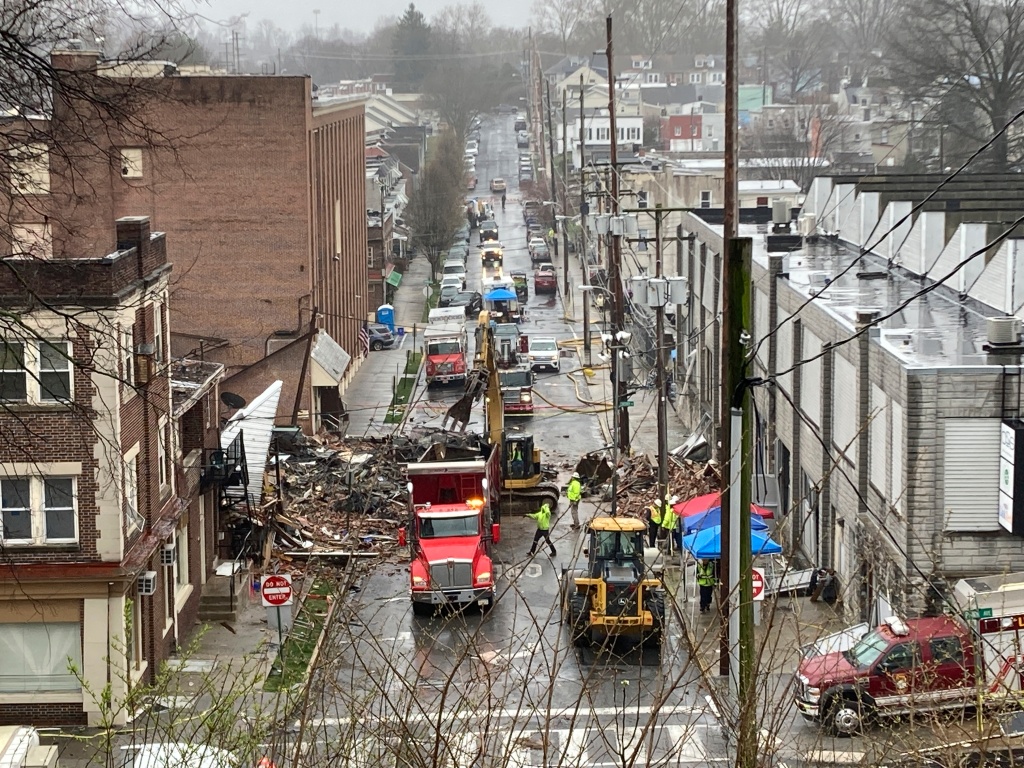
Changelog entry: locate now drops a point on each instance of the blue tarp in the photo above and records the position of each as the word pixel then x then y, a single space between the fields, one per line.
pixel 713 517
pixel 500 294
pixel 707 544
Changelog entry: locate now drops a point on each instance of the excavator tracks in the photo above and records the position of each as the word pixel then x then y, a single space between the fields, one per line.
pixel 519 501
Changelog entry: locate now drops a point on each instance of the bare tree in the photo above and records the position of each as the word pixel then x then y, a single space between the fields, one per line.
pixel 559 18
pixel 792 44
pixel 969 54
pixel 797 146
pixel 435 213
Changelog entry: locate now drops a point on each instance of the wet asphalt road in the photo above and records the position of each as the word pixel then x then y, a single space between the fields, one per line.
pixel 506 687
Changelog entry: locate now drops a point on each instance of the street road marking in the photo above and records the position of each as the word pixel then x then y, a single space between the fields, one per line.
pixel 575 741
pixel 713 707
pixel 518 713
pixel 685 744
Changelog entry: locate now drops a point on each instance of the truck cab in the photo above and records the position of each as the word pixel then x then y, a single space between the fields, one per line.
pixel 517 391
pixel 451 529
pixel 919 664
pixel 444 349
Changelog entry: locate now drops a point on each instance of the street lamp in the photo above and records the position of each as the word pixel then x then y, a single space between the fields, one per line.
pixel 618 345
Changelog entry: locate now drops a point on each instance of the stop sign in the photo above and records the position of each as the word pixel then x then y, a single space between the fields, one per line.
pixel 757 580
pixel 277 590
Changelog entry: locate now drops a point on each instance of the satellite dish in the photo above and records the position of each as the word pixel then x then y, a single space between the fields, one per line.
pixel 231 400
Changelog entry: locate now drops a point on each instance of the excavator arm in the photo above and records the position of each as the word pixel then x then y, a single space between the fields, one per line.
pixel 484 381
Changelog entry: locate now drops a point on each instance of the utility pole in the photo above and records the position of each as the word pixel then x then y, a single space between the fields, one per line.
pixel 659 351
pixel 615 260
pixel 731 369
pixel 742 674
pixel 551 170
pixel 566 292
pixel 583 231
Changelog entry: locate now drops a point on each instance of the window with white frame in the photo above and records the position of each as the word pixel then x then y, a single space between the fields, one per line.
pixel 603 134
pixel 705 198
pixel 716 77
pixel 131 162
pixel 693 130
pixel 181 553
pixel 128 360
pixel 158 332
pixel 38 510
pixel 653 77
pixel 161 453
pixel 709 131
pixel 37 657
pixel 678 130
pixel 131 492
pixel 633 134
pixel 35 372
pixel 696 78
pixel 30 169
pixel 32 241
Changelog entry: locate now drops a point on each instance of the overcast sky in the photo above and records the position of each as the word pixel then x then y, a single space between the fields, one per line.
pixel 357 15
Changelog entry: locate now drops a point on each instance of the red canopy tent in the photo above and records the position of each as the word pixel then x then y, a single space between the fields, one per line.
pixel 708 501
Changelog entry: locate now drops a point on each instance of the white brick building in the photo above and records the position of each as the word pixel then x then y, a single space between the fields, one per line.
pixel 885 449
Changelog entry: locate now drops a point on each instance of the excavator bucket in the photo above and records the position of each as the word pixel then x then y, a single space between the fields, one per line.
pixel 462 410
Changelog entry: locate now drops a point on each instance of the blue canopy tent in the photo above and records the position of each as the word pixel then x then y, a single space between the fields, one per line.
pixel 706 544
pixel 713 517
pixel 500 294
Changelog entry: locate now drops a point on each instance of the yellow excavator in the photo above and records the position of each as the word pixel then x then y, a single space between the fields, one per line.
pixel 523 487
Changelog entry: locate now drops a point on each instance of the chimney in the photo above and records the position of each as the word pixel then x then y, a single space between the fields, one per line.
pixel 133 232
pixel 74 57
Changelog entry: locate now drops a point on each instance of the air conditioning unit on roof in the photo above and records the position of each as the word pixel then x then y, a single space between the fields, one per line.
pixel 1004 331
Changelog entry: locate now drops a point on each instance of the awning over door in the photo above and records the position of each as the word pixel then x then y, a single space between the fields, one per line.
pixel 330 361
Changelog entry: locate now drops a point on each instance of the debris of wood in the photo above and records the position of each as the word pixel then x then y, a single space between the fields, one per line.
pixel 638 483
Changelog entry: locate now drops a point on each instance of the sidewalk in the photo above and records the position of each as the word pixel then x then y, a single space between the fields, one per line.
pixel 368 395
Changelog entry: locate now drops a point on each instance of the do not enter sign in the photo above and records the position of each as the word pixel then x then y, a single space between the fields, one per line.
pixel 277 591
pixel 757 579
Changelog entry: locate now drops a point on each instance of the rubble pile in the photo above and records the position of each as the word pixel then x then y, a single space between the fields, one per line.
pixel 638 483
pixel 345 496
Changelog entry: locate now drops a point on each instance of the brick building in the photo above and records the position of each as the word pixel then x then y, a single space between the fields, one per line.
pixel 264 194
pixel 105 534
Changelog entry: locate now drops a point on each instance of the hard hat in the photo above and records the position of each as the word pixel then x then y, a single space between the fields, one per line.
pixel 658 501
pixel 576 475
pixel 674 500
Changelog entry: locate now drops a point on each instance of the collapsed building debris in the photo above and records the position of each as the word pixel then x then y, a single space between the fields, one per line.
pixel 332 498
pixel 638 481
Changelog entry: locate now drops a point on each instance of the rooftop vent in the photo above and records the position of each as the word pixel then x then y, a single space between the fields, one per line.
pixel 1004 331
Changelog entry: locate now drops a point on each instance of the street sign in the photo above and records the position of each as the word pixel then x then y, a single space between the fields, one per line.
pixel 626 404
pixel 981 613
pixel 277 591
pixel 757 578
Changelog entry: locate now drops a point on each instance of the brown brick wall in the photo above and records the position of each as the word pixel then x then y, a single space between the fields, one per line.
pixel 42 714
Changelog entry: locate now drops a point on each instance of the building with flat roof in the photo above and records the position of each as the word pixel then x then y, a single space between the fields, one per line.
pixel 890 385
pixel 263 192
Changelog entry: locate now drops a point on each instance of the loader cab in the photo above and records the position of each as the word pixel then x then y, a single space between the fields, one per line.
pixel 518 457
pixel 616 553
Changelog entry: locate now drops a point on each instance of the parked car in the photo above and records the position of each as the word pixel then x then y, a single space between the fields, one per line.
pixel 380 336
pixel 454 268
pixel 454 280
pixel 472 148
pixel 520 123
pixel 171 754
pixel 544 353
pixel 470 180
pixel 471 300
pixel 458 252
pixel 498 185
pixel 544 279
pixel 522 139
pixel 448 294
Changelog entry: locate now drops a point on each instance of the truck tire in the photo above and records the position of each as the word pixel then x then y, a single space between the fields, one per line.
pixel 578 619
pixel 844 715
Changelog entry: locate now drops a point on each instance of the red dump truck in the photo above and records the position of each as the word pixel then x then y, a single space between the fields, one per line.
pixel 970 658
pixel 451 528
pixel 445 346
